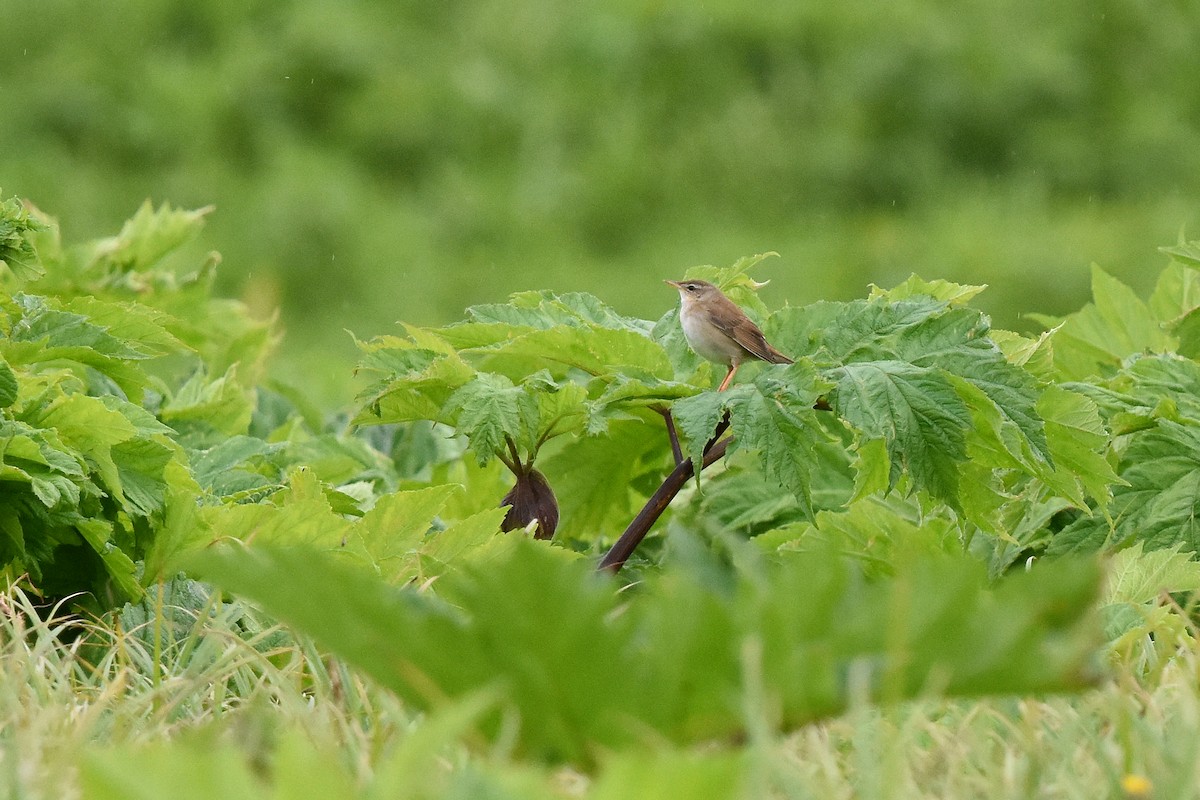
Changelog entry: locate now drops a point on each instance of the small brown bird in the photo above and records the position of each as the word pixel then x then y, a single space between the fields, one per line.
pixel 720 331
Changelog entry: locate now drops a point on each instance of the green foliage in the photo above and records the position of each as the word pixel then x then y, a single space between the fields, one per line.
pixel 891 481
pixel 542 629
pixel 127 396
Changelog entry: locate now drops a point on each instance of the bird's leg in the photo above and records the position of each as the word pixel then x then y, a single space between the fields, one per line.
pixel 725 383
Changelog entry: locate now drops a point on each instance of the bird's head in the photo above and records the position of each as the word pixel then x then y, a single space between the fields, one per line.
pixel 692 290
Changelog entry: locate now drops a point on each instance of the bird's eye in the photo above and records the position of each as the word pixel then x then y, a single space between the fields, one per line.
pixel 691 287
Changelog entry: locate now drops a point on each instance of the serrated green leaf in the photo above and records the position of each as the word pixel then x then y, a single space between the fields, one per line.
pixel 420 394
pixel 872 531
pixel 87 425
pixel 489 409
pixel 1136 575
pixel 778 421
pixel 1176 292
pixel 42 322
pixel 232 466
pixel 545 309
pixel 131 322
pixel 302 517
pixel 148 236
pixel 590 350
pixel 1034 355
pixel 183 526
pixel 1187 330
pixel 696 417
pixel 872 469
pixel 466 538
pixel 392 531
pixel 914 286
pixel 1094 341
pixel 141 464
pixel 864 330
pixel 223 405
pixel 957 343
pixel 8 385
pixel 1077 440
pixel 915 411
pixel 17 252
pixel 671 663
pixel 561 409
pixel 1159 504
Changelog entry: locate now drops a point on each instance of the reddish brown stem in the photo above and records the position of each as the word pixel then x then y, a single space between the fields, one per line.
pixel 676 450
pixel 658 502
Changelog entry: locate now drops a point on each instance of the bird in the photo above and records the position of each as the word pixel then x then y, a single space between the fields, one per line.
pixel 717 330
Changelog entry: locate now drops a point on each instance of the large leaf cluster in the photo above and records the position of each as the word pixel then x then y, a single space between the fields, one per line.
pixel 926 400
pixel 128 396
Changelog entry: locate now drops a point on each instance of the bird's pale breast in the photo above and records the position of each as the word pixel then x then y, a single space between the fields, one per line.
pixel 706 339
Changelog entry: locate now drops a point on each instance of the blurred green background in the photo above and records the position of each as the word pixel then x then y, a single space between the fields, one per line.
pixel 375 161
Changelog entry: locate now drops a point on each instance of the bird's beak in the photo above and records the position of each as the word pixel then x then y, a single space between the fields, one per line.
pixel 672 283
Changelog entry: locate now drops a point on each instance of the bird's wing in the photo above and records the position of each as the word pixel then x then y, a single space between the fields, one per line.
pixel 747 334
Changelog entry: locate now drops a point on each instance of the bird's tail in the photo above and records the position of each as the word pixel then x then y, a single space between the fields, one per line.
pixel 777 357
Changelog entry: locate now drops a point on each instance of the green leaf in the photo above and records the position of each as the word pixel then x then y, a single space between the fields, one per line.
pixel 141 465
pixel 956 342
pixel 46 324
pixel 624 395
pixel 303 516
pixel 872 531
pixel 148 236
pixel 1160 503
pixel 953 293
pixel 117 563
pixel 1078 441
pixel 1034 355
pixel 489 409
pixel 546 310
pixel 865 330
pixel 183 527
pixel 915 411
pixel 8 385
pixel 229 467
pixel 1117 324
pixel 696 417
pixel 222 405
pixel 1186 253
pixel 591 350
pixel 592 477
pixel 463 539
pixel 417 385
pixel 131 322
pixel 1136 575
pixel 561 408
pixel 87 425
pixel 17 225
pixel 1187 330
pixel 779 423
pixel 673 663
pixel 393 530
